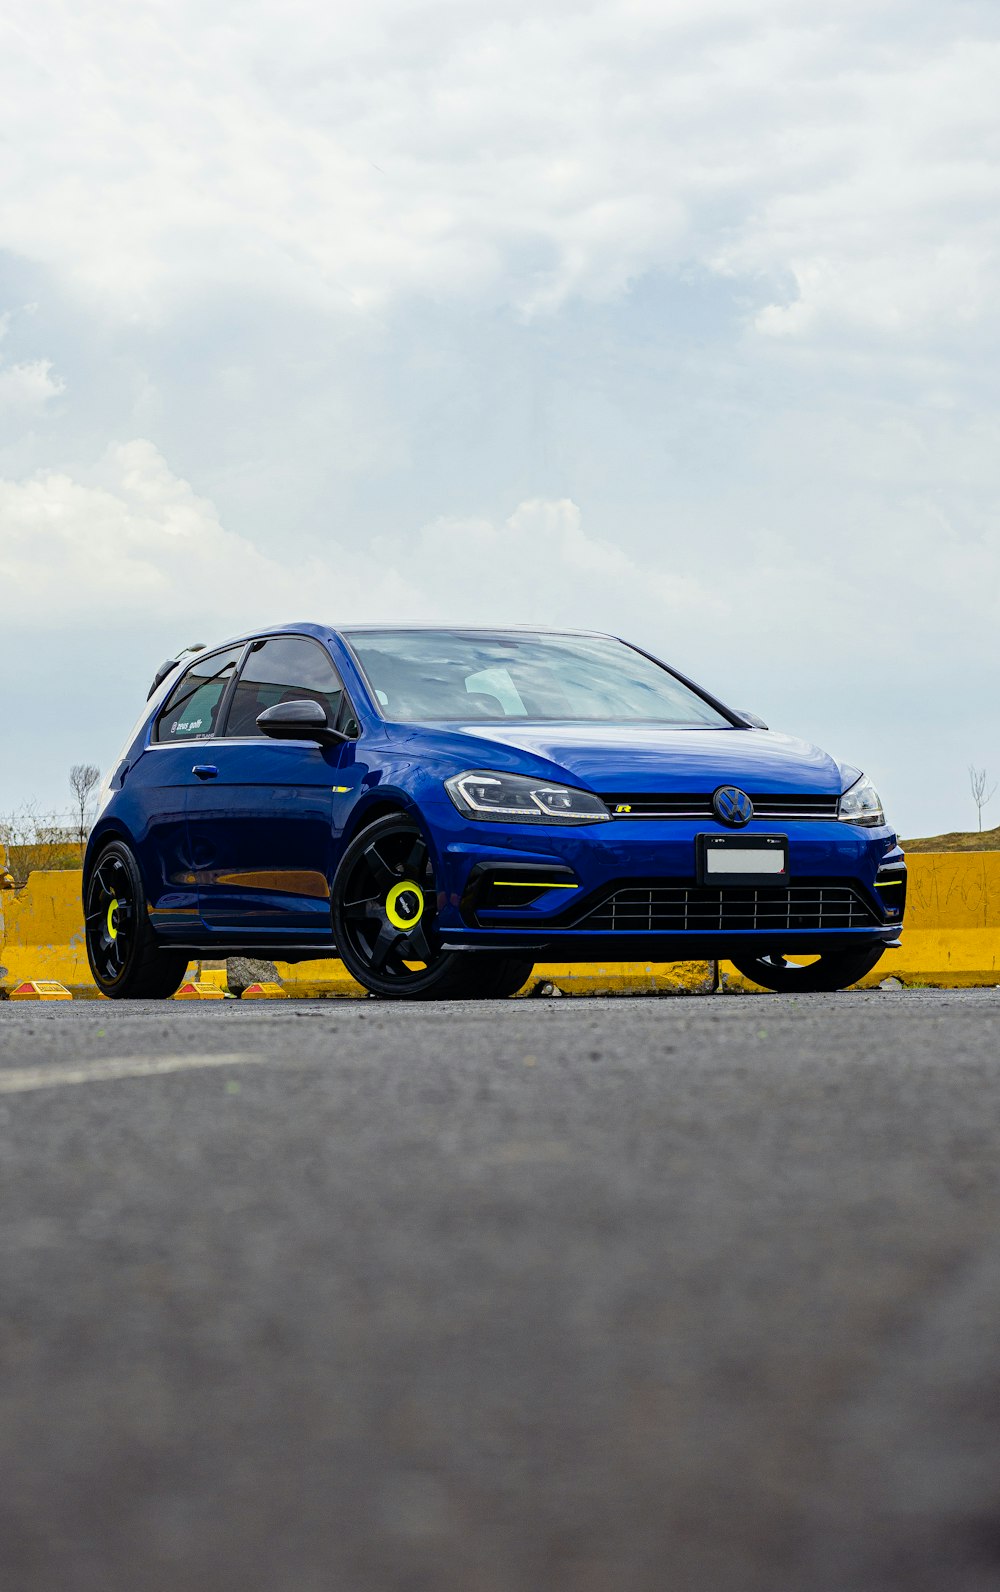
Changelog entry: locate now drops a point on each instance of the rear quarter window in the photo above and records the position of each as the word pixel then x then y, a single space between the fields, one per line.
pixel 191 711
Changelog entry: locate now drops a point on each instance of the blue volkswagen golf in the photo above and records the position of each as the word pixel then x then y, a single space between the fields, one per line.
pixel 443 808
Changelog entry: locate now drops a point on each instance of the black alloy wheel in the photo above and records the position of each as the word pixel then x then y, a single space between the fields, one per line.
pixel 125 956
pixel 384 914
pixel 832 970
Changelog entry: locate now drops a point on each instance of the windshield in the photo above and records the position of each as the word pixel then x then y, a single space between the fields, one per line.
pixel 438 675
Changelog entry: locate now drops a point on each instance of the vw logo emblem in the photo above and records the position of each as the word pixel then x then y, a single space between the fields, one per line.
pixel 732 806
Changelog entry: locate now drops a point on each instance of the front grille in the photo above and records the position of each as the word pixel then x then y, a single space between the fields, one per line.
pixel 682 909
pixel 768 808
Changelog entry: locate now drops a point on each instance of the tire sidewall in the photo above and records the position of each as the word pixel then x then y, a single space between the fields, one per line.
pixel 117 848
pixel 152 971
pixel 828 974
pixel 448 967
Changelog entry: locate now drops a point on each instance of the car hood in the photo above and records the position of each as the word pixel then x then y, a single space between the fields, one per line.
pixel 638 759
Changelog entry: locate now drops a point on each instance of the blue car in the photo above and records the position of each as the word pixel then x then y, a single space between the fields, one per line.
pixel 443 808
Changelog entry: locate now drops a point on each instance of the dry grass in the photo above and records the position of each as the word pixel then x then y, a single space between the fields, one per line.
pixel 972 840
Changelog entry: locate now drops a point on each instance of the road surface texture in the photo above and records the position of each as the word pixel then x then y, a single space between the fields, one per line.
pixel 535 1296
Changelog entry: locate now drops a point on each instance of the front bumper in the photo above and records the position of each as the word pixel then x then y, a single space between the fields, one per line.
pixel 628 890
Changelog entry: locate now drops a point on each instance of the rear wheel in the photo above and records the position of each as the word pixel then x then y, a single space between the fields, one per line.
pixel 831 970
pixel 384 924
pixel 125 956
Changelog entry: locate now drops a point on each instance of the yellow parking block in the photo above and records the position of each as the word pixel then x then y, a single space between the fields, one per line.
pixel 40 989
pixel 263 992
pixel 196 989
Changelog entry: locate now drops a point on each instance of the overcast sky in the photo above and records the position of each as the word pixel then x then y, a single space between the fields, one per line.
pixel 677 318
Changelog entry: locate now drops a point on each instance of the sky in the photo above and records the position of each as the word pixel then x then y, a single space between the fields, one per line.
pixel 674 318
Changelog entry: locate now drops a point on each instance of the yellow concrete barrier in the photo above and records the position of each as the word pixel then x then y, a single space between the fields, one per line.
pixel 625 978
pixel 330 979
pixel 951 938
pixel 952 933
pixel 327 979
pixel 42 932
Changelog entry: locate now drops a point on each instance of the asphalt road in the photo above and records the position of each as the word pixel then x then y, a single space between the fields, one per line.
pixel 537 1296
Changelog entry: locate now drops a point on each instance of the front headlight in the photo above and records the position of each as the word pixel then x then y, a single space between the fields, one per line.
pixel 861 804
pixel 512 799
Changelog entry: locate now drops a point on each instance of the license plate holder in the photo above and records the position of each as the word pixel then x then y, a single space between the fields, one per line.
pixel 732 860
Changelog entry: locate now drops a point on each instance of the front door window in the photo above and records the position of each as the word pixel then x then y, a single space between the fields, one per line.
pixel 284 669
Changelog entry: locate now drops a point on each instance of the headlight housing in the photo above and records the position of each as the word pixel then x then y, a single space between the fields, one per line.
pixel 861 805
pixel 513 799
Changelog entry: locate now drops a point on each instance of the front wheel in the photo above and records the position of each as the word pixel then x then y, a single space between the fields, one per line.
pixel 124 954
pixel 384 911
pixel 832 970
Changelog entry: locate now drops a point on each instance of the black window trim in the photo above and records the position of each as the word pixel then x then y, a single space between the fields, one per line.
pixel 254 644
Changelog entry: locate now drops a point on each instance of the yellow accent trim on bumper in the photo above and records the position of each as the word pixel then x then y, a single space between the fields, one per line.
pixel 533 884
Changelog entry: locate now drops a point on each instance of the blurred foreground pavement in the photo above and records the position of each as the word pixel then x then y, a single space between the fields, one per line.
pixel 538 1296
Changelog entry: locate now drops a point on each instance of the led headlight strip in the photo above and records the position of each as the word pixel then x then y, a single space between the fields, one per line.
pixel 515 799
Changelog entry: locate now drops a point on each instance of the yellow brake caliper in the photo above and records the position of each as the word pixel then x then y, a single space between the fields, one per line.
pixel 112 925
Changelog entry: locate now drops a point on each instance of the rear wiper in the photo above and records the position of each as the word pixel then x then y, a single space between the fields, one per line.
pixel 170 664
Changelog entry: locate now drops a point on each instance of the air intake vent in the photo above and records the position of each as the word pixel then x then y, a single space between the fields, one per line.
pixel 679 909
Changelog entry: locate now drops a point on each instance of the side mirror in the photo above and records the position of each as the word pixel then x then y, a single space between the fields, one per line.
pixel 298 721
pixel 754 722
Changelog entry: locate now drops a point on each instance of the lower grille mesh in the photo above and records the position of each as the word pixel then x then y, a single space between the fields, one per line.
pixel 679 909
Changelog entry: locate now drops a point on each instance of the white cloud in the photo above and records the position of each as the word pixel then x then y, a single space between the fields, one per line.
pixel 25 387
pixel 136 539
pixel 537 566
pixel 354 154
pixel 139 543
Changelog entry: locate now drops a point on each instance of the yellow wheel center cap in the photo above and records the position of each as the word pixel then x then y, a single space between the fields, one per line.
pixel 113 920
pixel 404 905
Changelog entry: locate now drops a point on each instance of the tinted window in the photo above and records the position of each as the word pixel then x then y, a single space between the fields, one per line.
pixel 191 711
pixel 284 669
pixel 439 674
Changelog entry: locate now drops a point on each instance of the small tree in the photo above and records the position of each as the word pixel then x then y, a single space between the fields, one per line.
pixel 978 782
pixel 26 835
pixel 84 779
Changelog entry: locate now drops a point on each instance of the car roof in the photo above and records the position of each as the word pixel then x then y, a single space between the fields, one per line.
pixel 473 630
pixel 311 628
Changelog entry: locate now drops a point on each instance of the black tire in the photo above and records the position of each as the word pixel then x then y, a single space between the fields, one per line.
pixel 384 910
pixel 495 978
pixel 126 959
pixel 833 970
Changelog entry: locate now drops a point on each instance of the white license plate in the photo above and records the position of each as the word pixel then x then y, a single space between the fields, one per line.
pixel 760 860
pixel 732 861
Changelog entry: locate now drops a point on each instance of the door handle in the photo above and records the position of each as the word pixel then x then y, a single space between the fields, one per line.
pixel 205 770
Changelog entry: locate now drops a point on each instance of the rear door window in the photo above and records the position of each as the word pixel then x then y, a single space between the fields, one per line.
pixel 284 669
pixel 191 711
